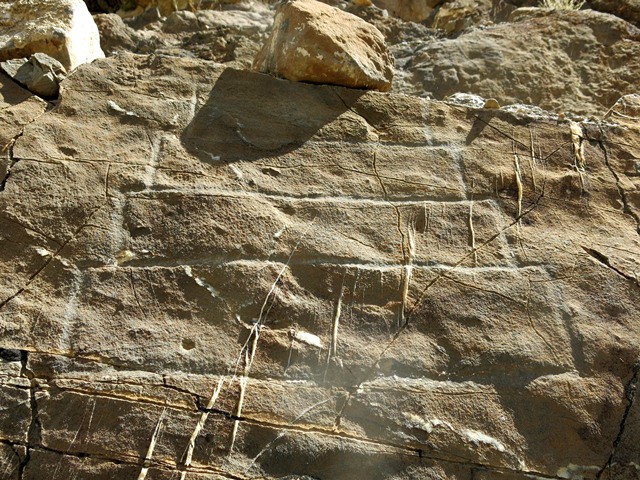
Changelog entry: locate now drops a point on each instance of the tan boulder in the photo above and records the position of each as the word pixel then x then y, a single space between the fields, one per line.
pixel 313 42
pixel 63 29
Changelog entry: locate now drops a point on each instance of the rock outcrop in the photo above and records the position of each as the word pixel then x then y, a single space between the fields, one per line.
pixel 313 42
pixel 63 29
pixel 580 62
pixel 210 273
pixel 218 272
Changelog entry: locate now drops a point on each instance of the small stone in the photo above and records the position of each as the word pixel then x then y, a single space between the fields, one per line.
pixel 41 74
pixel 63 29
pixel 491 103
pixel 316 43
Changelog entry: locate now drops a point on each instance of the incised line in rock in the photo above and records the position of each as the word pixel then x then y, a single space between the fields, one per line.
pixel 604 260
pixel 577 139
pixel 50 258
pixel 188 454
pixel 407 270
pixel 283 432
pixel 34 433
pixel 422 296
pixel 630 390
pixel 518 175
pixel 253 337
pixel 407 256
pixel 472 235
pixel 532 160
pixel 9 146
pixel 152 445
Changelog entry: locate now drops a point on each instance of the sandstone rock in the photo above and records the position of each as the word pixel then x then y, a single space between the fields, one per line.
pixel 62 29
pixel 626 109
pixel 626 9
pixel 567 61
pixel 312 42
pixel 248 22
pixel 409 10
pixel 41 74
pixel 357 285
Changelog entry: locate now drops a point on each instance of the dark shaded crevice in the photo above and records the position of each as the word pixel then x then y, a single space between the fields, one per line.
pixel 34 434
pixel 604 260
pixel 630 391
pixel 12 160
pixel 194 396
pixel 621 191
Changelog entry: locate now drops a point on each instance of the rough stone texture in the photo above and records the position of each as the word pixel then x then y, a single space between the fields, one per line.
pixel 561 61
pixel 231 37
pixel 313 42
pixel 346 284
pixel 62 29
pixel 579 62
pixel 626 9
pixel 409 10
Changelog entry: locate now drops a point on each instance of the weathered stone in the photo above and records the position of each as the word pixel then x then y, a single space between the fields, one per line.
pixel 41 74
pixel 313 42
pixel 626 9
pixel 626 109
pixel 335 283
pixel 62 29
pixel 409 10
pixel 579 62
pixel 247 22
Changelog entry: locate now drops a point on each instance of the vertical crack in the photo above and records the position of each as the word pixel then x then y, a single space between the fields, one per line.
pixel 34 433
pixel 621 191
pixel 630 394
pixel 12 160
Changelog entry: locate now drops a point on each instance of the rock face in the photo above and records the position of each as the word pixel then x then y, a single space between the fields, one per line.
pixel 567 61
pixel 218 272
pixel 313 42
pixel 63 29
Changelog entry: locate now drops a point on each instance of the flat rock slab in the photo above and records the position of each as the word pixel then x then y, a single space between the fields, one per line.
pixel 62 29
pixel 377 286
pixel 316 43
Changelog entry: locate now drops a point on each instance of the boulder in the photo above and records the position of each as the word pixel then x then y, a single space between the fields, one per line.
pixel 41 74
pixel 62 29
pixel 313 42
pixel 627 9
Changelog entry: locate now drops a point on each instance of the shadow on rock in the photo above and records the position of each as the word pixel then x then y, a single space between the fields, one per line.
pixel 250 115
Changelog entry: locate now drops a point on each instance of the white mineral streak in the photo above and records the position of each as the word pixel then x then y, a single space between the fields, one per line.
pixel 308 338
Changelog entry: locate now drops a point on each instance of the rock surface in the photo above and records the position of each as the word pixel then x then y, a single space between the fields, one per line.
pixel 313 42
pixel 561 61
pixel 311 282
